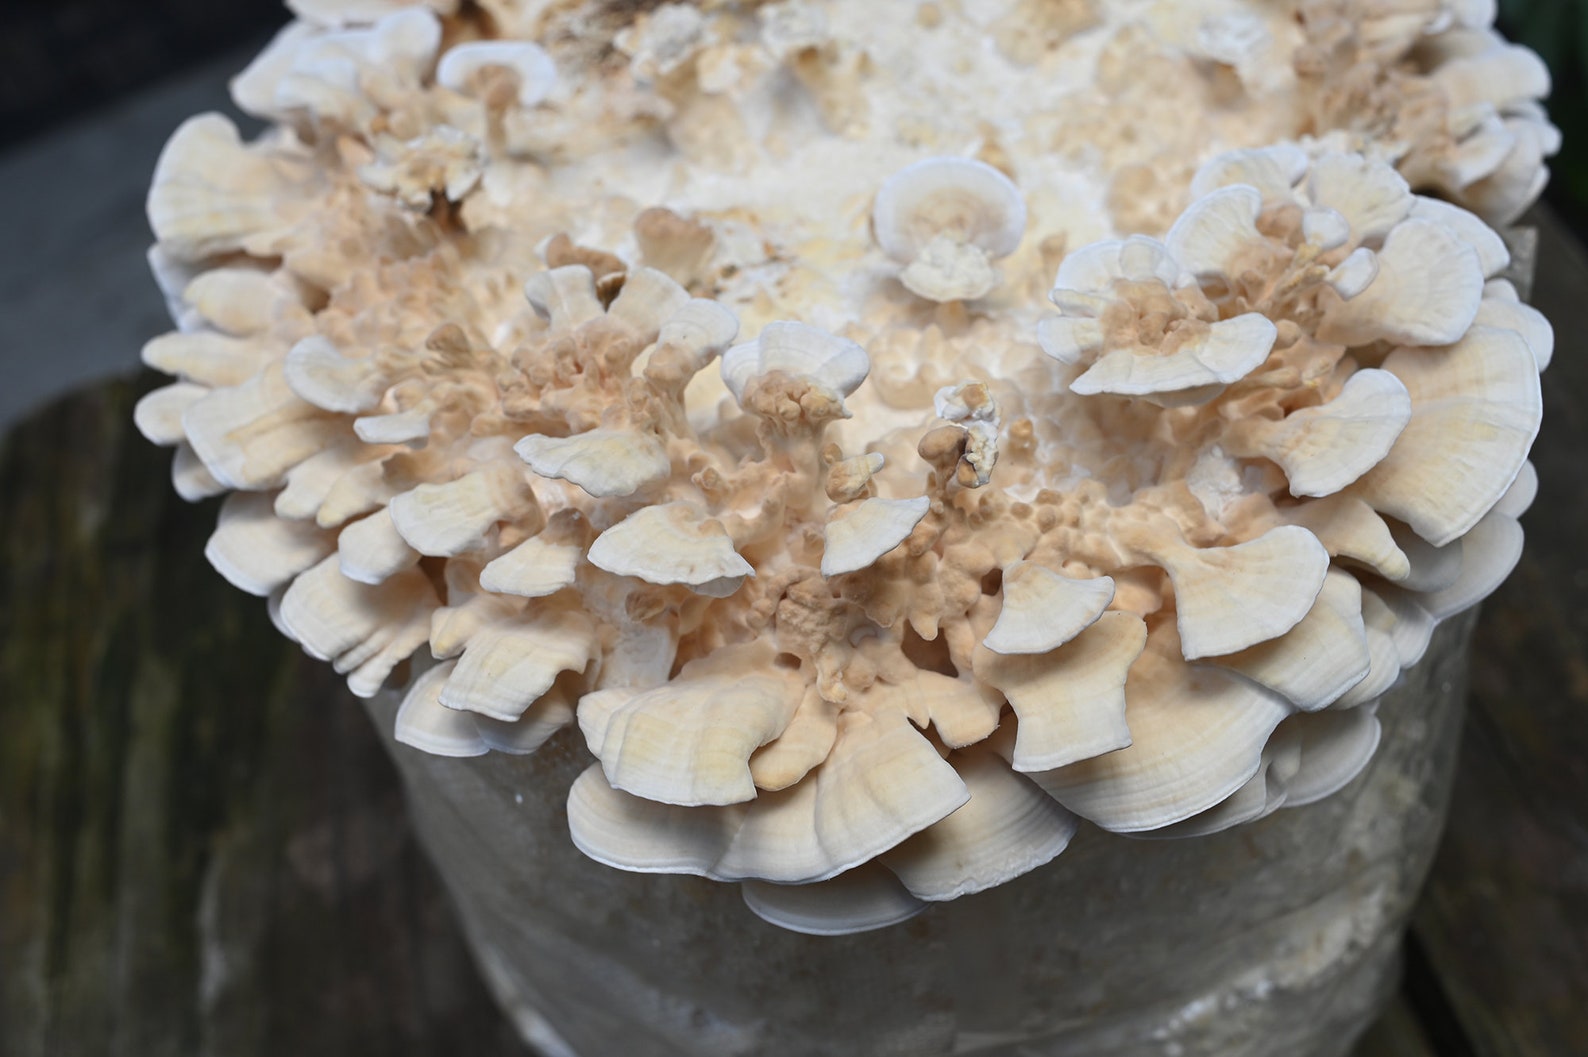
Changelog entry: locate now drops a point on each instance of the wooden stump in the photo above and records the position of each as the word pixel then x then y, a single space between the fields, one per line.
pixel 203 847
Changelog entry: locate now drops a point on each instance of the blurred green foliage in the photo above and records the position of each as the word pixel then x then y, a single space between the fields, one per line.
pixel 1558 31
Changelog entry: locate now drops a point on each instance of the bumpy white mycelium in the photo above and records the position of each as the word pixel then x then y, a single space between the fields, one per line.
pixel 892 433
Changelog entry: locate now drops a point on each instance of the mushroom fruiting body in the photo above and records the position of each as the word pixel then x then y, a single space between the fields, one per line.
pixel 582 382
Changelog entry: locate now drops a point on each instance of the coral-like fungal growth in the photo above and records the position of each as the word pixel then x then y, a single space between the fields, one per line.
pixel 645 370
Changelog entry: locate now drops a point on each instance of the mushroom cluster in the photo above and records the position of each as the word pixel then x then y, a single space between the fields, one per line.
pixel 697 389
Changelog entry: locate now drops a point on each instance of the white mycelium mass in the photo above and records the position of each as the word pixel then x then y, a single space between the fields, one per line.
pixel 890 436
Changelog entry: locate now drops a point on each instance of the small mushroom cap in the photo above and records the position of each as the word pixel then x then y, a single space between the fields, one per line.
pixel 1197 736
pixel 1427 291
pixel 506 667
pixel 534 569
pixel 1371 195
pixel 804 743
pixel 1476 407
pixel 158 414
pixel 1401 615
pixel 881 783
pixel 1225 352
pixel 1317 661
pixel 566 296
pixel 1525 320
pixel 874 527
pixel 866 898
pixel 426 724
pixel 1071 701
pixel 1274 171
pixel 1009 827
pixel 206 357
pixel 363 629
pixel 837 364
pixel 258 552
pixel 1489 552
pixel 1042 609
pixel 604 462
pixel 674 543
pixel 1350 529
pixel 1493 255
pixel 537 74
pixel 1432 568
pixel 690 740
pixel 251 434
pixel 1214 233
pixel 449 519
pixel 1323 449
pixel 1519 497
pixel 1334 748
pixel 1229 598
pixel 1093 269
pixel 969 201
pixel 371 549
pixel 530 731
pixel 318 372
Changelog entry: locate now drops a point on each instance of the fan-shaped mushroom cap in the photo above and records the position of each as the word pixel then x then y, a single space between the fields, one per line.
pixel 1372 197
pixel 426 724
pixel 206 357
pixel 259 552
pixel 1511 314
pixel 1229 598
pixel 835 364
pixel 1519 497
pixel 251 434
pixel 1476 408
pixel 1273 171
pixel 158 414
pixel 1488 554
pixel 1323 449
pixel 465 68
pixel 1070 701
pixel 1378 621
pixel 865 898
pixel 804 743
pixel 318 372
pixel 604 462
pixel 533 569
pixel 1009 827
pixel 1317 661
pixel 371 549
pixel 1212 236
pixel 1334 746
pixel 874 527
pixel 1493 256
pixel 451 518
pixel 553 711
pixel 211 196
pixel 675 543
pixel 1432 568
pixel 968 201
pixel 1197 735
pixel 1427 291
pixel 1042 609
pixel 510 664
pixel 1348 528
pixel 361 628
pixel 881 782
pixel 689 741
pixel 1225 352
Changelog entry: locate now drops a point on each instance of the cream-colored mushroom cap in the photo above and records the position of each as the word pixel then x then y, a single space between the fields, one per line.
pixel 675 543
pixel 463 65
pixel 946 219
pixel 836 364
pixel 873 528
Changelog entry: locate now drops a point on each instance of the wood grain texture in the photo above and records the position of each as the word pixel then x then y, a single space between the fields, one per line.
pixel 1504 919
pixel 202 845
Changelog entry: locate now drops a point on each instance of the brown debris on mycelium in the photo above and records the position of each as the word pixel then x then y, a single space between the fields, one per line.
pixel 685 374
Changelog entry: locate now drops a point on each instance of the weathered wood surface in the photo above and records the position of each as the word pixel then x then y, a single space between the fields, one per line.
pixel 1504 919
pixel 202 845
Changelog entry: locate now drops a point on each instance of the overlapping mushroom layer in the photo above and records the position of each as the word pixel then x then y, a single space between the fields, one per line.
pixel 870 605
